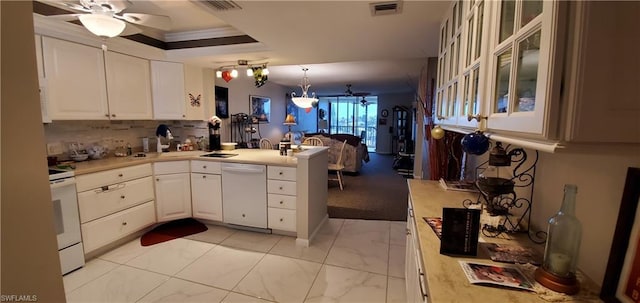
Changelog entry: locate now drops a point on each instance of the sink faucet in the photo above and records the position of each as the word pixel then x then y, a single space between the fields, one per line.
pixel 163 131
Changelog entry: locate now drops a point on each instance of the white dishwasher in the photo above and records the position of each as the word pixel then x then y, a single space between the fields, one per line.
pixel 244 194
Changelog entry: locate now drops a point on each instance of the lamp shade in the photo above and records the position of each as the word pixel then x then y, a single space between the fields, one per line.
pixel 304 102
pixel 102 25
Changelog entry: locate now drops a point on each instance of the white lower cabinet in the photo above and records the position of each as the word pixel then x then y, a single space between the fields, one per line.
pixel 114 204
pixel 415 278
pixel 206 196
pixel 173 190
pixel 281 198
pixel 103 231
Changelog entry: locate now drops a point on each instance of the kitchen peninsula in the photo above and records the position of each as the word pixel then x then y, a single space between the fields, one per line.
pixel 294 192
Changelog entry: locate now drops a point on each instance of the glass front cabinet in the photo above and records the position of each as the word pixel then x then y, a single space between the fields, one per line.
pixel 521 60
pixel 494 65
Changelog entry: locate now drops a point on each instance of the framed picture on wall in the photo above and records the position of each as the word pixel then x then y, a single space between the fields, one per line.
pixel 260 108
pixel 222 102
pixel 620 283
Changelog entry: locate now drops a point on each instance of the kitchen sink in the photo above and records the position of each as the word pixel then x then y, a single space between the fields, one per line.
pixel 218 155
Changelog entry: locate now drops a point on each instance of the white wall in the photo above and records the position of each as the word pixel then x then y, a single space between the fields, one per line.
pixel 600 179
pixel 239 91
pixel 388 101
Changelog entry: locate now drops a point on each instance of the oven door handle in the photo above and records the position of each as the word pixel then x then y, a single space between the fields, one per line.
pixel 62 182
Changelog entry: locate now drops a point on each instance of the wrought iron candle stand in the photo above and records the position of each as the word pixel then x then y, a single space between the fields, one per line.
pixel 498 195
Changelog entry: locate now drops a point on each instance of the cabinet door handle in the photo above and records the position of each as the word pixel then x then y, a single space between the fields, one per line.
pixel 120 175
pixel 158 179
pixel 113 115
pixel 281 219
pixel 106 115
pixel 122 197
pixel 281 202
pixel 243 215
pixel 280 187
pixel 478 117
pixel 124 223
pixel 183 116
pixel 204 177
pixel 204 167
pixel 408 231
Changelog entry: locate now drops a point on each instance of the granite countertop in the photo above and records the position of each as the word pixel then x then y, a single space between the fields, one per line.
pixel 445 278
pixel 249 156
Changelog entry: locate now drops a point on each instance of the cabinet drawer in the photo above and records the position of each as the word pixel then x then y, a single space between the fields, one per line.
pixel 282 219
pixel 172 167
pixel 281 173
pixel 281 187
pixel 96 180
pixel 103 231
pixel 281 201
pixel 99 202
pixel 205 167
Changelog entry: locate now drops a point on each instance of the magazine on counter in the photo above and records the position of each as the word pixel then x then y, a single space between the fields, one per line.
pixel 495 275
pixel 512 253
pixel 458 185
pixel 436 225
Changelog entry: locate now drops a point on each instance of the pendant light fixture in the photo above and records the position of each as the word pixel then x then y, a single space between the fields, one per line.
pixel 304 101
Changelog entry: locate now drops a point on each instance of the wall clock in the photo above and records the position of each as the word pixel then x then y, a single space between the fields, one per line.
pixel 384 113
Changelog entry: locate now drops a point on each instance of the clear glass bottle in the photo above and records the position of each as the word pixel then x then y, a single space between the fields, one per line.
pixel 564 234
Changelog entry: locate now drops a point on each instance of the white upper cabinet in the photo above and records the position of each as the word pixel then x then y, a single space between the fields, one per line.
pixel 194 93
pixel 167 84
pixel 525 63
pixel 461 64
pixel 128 87
pixel 75 79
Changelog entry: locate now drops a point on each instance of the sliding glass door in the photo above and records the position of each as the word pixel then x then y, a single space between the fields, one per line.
pixel 353 115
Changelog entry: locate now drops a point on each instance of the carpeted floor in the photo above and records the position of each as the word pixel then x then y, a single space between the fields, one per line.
pixel 376 193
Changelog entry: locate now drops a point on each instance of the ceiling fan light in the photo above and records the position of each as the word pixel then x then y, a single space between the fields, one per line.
pixel 265 70
pixel 218 74
pixel 102 25
pixel 249 72
pixel 234 73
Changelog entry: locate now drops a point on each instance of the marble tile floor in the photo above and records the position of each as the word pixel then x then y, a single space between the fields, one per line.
pixel 349 261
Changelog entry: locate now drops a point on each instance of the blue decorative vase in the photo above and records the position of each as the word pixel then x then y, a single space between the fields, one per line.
pixel 475 143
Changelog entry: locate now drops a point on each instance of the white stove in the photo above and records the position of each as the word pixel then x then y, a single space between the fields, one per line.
pixel 66 219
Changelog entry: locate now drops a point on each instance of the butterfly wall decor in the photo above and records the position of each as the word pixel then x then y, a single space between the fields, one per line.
pixel 195 101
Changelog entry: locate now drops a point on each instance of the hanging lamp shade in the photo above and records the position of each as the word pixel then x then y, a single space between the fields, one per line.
pixel 102 25
pixel 304 101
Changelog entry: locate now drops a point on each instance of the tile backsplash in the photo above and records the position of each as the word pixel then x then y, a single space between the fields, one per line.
pixel 110 134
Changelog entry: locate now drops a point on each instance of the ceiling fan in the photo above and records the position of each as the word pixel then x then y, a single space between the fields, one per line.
pixel 350 93
pixel 105 18
pixel 364 101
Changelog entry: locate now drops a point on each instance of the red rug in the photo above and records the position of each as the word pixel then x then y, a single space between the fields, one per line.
pixel 172 230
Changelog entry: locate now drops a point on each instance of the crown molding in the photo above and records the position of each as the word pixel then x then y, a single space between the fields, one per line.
pixel 221 32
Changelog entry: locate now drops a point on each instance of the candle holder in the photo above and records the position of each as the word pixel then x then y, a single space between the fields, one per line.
pixel 564 235
pixel 498 195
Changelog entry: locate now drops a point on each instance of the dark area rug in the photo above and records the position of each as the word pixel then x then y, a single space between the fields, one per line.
pixel 377 192
pixel 172 230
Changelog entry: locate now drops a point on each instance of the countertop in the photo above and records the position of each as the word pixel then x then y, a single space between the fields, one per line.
pixel 445 279
pixel 249 156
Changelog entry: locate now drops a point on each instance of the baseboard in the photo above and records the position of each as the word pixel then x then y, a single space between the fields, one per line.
pixel 306 242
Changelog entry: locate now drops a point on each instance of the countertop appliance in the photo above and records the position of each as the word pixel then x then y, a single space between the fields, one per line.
pixel 66 219
pixel 244 198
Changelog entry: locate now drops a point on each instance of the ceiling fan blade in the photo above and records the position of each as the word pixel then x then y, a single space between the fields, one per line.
pixel 77 7
pixel 114 6
pixel 65 17
pixel 155 21
pixel 130 29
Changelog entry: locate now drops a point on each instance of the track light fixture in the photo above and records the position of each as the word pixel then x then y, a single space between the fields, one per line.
pixel 258 71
